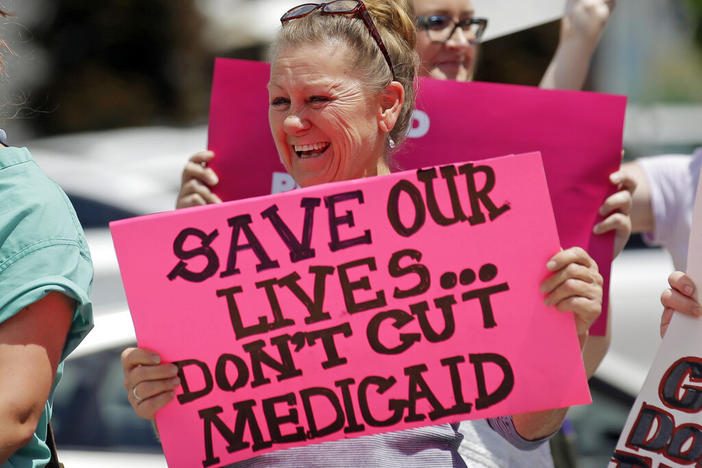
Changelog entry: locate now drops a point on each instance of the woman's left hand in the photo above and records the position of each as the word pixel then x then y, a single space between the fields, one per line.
pixel 575 286
pixel 616 210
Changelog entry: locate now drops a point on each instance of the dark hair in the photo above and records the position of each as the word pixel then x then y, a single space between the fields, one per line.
pixel 394 20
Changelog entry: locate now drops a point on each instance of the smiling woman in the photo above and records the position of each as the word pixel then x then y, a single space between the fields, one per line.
pixel 340 99
pixel 448 38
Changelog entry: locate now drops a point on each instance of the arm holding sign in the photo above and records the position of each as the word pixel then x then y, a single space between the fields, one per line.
pixel 617 213
pixel 581 28
pixel 679 297
pixel 575 286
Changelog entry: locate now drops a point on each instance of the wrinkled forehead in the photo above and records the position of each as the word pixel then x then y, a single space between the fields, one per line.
pixel 311 63
pixel 444 7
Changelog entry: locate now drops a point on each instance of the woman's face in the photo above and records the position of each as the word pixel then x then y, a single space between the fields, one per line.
pixel 324 123
pixel 455 58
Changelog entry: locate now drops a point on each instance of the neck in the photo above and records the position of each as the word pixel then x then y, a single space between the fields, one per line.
pixel 382 167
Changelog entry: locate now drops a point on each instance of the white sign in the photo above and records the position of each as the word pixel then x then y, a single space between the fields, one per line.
pixel 509 16
pixel 664 427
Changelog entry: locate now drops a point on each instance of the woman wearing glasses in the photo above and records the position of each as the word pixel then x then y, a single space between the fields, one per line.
pixel 340 91
pixel 449 35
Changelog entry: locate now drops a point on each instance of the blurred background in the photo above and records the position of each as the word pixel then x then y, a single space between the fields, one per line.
pixel 112 97
pixel 85 66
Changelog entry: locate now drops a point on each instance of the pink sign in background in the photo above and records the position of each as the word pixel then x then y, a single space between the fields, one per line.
pixel 579 135
pixel 228 291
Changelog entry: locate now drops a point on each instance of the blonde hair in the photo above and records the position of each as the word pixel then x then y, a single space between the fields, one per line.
pixel 394 20
pixel 3 44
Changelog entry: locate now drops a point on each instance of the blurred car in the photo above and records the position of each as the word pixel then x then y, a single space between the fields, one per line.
pixel 93 421
pixel 117 174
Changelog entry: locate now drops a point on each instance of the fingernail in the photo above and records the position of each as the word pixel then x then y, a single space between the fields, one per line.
pixel 173 369
pixel 551 265
pixel 214 180
pixel 687 289
pixel 174 382
pixel 155 358
pixel 615 177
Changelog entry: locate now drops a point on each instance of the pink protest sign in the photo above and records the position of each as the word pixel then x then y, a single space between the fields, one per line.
pixel 578 134
pixel 352 308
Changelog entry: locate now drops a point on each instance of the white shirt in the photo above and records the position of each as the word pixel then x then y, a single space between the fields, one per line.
pixel 672 180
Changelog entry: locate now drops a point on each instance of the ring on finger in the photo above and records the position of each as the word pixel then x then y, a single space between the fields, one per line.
pixel 136 395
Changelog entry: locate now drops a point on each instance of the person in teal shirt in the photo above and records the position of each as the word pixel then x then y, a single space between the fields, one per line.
pixel 45 279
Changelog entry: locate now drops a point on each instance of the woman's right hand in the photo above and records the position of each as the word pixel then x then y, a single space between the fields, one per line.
pixel 196 182
pixel 149 383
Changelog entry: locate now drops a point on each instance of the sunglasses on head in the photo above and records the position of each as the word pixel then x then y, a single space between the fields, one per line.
pixel 342 7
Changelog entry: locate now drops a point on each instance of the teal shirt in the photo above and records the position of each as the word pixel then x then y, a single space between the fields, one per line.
pixel 42 249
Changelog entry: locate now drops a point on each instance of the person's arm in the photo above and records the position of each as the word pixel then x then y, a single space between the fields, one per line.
pixel 31 344
pixel 196 182
pixel 574 286
pixel 581 28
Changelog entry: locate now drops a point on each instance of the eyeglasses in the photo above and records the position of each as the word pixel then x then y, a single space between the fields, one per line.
pixel 342 7
pixel 441 28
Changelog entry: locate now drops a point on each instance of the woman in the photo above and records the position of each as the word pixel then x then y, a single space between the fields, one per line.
pixel 45 278
pixel 449 37
pixel 337 99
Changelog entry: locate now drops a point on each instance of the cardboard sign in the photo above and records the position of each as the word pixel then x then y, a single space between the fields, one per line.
pixel 664 427
pixel 507 16
pixel 578 134
pixel 352 308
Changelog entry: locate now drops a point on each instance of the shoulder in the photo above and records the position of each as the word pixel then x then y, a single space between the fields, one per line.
pixel 35 211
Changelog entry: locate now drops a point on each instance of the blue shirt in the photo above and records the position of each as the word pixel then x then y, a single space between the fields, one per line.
pixel 42 249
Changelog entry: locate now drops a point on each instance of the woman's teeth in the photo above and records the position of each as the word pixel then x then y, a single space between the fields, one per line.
pixel 310 151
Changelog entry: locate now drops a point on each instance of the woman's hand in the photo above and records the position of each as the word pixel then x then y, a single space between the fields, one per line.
pixel 679 297
pixel 586 19
pixel 150 384
pixel 616 210
pixel 196 182
pixel 575 286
